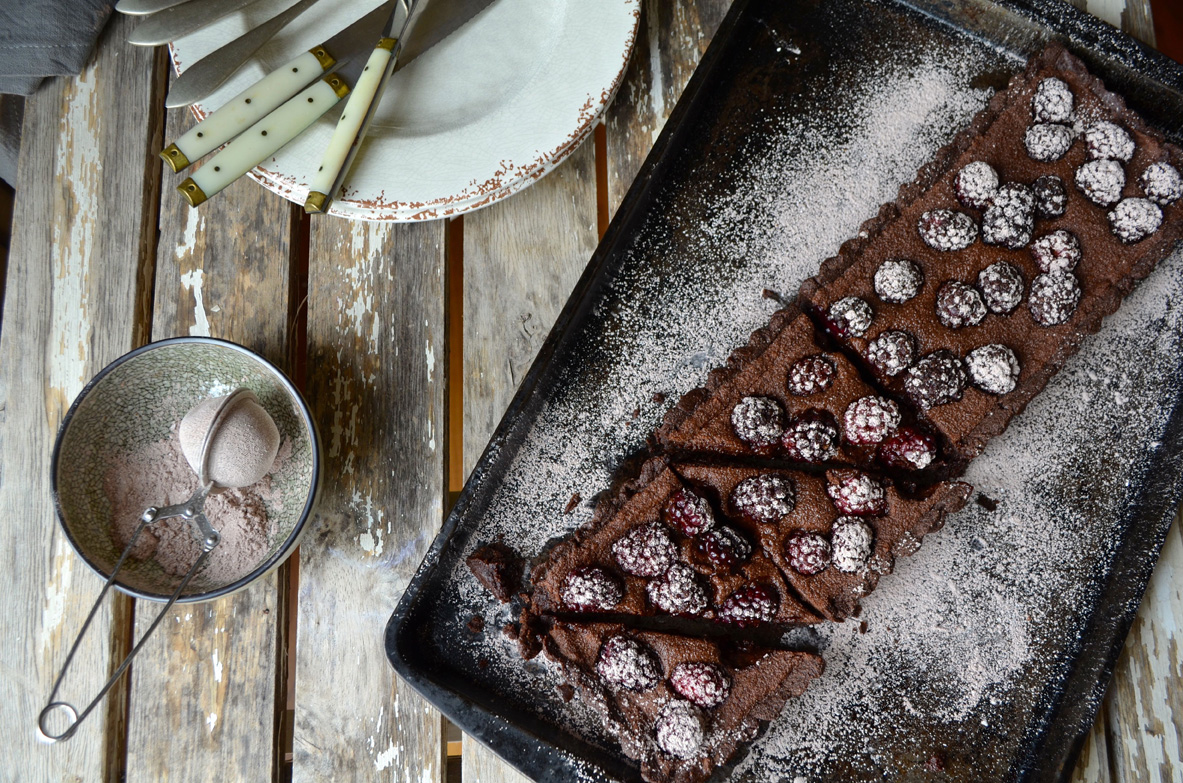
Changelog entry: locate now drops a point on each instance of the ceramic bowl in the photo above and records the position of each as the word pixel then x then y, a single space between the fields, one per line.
pixel 138 400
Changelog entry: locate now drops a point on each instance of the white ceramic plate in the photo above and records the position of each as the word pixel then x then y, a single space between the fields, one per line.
pixel 484 113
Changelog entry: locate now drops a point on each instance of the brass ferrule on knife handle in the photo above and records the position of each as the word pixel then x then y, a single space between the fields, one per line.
pixel 248 107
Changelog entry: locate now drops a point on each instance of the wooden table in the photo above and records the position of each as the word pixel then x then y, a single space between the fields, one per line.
pixel 408 341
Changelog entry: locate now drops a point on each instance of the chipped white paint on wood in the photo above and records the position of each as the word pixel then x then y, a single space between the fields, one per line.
pixel 375 306
pixel 69 309
pixel 522 257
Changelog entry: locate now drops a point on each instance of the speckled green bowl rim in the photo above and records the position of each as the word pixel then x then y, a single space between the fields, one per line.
pixel 293 538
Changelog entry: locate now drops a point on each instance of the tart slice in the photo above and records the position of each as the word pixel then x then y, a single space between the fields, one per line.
pixel 663 551
pixel 832 536
pixel 784 396
pixel 679 705
pixel 974 287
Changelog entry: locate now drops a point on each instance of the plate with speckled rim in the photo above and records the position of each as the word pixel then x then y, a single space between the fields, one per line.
pixel 484 113
pixel 985 655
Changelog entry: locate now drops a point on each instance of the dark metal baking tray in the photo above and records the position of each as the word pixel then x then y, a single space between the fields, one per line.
pixel 787 137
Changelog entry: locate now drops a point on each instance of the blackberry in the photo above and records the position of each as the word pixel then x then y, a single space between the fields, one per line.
pixel 897 280
pixel 976 184
pixel 1058 251
pixel 1054 297
pixel 1001 285
pixel 1134 219
pixel 688 513
pixel 749 605
pixel 812 436
pixel 1051 197
pixel 851 541
pixel 723 547
pixel 1052 101
pixel 870 420
pixel 680 729
pixel 704 684
pixel 590 589
pixel 891 352
pixel 808 553
pixel 764 499
pixel 946 229
pixel 959 305
pixel 1108 141
pixel 993 368
pixel 1010 218
pixel 850 317
pixel 645 551
pixel 1161 183
pixel 1048 141
pixel 628 663
pixel 855 493
pixel 811 375
pixel 908 449
pixel 1101 181
pixel 937 379
pixel 678 591
pixel 759 422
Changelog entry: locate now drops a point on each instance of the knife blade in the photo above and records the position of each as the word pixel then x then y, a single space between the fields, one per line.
pixel 264 96
pixel 208 73
pixel 172 23
pixel 409 18
pixel 277 128
pixel 139 7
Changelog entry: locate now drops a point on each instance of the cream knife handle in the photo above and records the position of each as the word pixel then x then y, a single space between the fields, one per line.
pixel 262 139
pixel 248 107
pixel 351 127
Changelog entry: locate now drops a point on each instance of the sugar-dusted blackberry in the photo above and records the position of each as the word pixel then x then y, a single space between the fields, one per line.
pixel 910 448
pixel 1161 183
pixel 1054 296
pixel 976 184
pixel 590 589
pixel 749 605
pixel 628 663
pixel 897 280
pixel 1057 251
pixel 678 591
pixel 947 229
pixel 1001 285
pixel 937 379
pixel 850 317
pixel 959 304
pixel 704 684
pixel 993 368
pixel 1134 219
pixel 856 493
pixel 758 422
pixel 1048 141
pixel 891 352
pixel 1010 218
pixel 1051 197
pixel 808 553
pixel 810 375
pixel 851 542
pixel 687 512
pixel 645 551
pixel 764 499
pixel 680 730
pixel 1052 101
pixel 1108 141
pixel 723 547
pixel 1101 181
pixel 870 419
pixel 812 436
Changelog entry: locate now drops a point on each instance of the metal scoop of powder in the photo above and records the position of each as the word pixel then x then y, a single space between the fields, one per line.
pixel 242 449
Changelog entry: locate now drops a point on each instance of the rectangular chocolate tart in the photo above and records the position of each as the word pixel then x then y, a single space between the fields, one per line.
pixel 679 705
pixel 970 291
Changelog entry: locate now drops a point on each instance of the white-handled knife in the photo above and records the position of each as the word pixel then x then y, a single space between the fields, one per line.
pixel 413 23
pixel 140 7
pixel 169 24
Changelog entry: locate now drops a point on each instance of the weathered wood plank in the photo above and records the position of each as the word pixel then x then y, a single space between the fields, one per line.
pixel 222 271
pixel 80 248
pixel 376 367
pixel 670 42
pixel 522 257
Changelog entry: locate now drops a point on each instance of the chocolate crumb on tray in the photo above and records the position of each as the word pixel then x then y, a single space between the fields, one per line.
pixel 498 568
